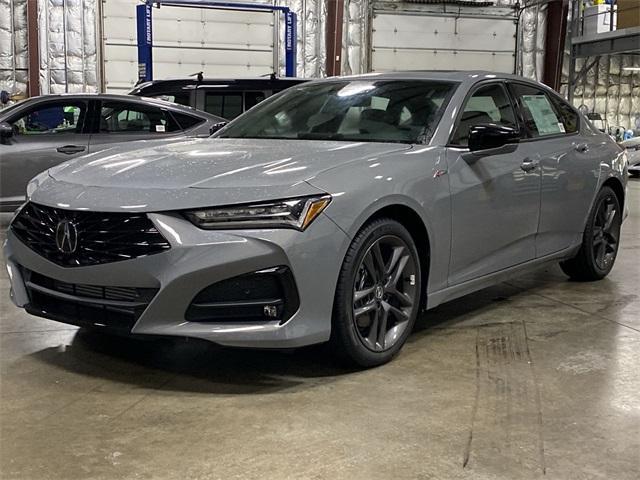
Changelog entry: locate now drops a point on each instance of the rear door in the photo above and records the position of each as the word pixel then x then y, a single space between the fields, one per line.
pixel 121 121
pixel 495 200
pixel 45 135
pixel 568 178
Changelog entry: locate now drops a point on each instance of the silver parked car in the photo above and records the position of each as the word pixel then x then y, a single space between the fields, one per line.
pixel 334 211
pixel 632 147
pixel 41 132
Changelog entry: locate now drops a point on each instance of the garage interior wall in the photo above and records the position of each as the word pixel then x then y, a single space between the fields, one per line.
pixel 70 45
pixel 605 87
pixel 14 58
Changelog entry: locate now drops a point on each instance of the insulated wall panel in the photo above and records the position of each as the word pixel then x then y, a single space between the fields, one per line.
pixel 442 42
pixel 187 40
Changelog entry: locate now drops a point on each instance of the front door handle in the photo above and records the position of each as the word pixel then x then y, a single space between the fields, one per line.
pixel 529 165
pixel 71 149
pixel 582 148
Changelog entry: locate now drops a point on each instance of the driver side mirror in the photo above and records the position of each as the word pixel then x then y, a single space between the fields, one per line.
pixel 6 130
pixel 490 137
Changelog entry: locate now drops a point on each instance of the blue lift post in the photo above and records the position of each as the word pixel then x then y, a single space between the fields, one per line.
pixel 145 33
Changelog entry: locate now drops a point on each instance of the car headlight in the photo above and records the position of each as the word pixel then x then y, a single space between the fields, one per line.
pixel 297 213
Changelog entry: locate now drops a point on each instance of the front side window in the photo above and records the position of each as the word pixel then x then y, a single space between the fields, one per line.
pixel 488 104
pixel 51 118
pixel 362 110
pixel 121 117
pixel 539 116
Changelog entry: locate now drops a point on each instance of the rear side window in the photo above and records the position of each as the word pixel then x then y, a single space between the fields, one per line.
pixel 568 115
pixel 186 121
pixel 123 117
pixel 488 104
pixel 225 105
pixel 539 115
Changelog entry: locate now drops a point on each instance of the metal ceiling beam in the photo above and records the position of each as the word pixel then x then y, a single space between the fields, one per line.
pixel 335 19
pixel 554 47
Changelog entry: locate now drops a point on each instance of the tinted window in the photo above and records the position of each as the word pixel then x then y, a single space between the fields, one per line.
pixel 225 105
pixel 362 110
pixel 568 115
pixel 251 99
pixel 121 117
pixel 186 121
pixel 539 115
pixel 51 118
pixel 489 104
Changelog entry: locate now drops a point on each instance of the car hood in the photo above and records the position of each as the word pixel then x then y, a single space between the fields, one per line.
pixel 198 172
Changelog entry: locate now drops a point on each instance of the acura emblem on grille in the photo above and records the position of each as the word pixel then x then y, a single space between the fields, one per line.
pixel 66 236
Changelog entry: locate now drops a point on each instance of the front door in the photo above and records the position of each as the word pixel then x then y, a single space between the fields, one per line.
pixel 495 200
pixel 43 136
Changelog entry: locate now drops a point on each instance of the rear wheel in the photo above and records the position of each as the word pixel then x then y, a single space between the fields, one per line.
pixel 599 248
pixel 378 294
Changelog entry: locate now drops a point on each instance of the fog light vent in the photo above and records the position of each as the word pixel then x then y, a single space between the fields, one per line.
pixel 261 296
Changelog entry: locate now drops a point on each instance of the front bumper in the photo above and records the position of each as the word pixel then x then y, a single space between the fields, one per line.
pixel 199 258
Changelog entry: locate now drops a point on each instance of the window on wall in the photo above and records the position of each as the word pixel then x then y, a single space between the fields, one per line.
pixel 226 105
pixel 539 115
pixel 122 117
pixel 51 118
pixel 489 104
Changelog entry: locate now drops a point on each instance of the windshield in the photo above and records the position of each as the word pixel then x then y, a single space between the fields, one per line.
pixel 360 110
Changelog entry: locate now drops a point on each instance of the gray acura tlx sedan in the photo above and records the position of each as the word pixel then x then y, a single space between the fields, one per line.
pixel 334 211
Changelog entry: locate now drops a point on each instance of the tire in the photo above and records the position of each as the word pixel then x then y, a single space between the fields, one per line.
pixel 600 241
pixel 377 296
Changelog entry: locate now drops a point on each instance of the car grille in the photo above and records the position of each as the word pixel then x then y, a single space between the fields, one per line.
pixel 114 308
pixel 99 237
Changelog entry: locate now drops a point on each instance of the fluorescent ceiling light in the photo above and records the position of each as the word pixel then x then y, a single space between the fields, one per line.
pixel 632 69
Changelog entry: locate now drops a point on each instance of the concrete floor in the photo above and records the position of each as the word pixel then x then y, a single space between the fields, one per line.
pixel 535 377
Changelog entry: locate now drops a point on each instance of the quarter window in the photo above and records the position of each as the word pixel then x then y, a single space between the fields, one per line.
pixel 568 115
pixel 52 118
pixel 538 113
pixel 489 104
pixel 118 117
pixel 186 121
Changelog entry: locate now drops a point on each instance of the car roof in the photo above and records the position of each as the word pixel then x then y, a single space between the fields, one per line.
pixel 244 83
pixel 459 76
pixel 118 97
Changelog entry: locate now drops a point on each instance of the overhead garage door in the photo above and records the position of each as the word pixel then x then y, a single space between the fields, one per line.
pixel 442 42
pixel 221 43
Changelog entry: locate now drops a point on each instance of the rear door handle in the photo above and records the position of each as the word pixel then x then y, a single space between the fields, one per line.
pixel 529 165
pixel 582 148
pixel 71 149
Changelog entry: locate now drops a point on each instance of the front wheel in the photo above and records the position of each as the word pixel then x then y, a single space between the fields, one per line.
pixel 378 294
pixel 599 248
